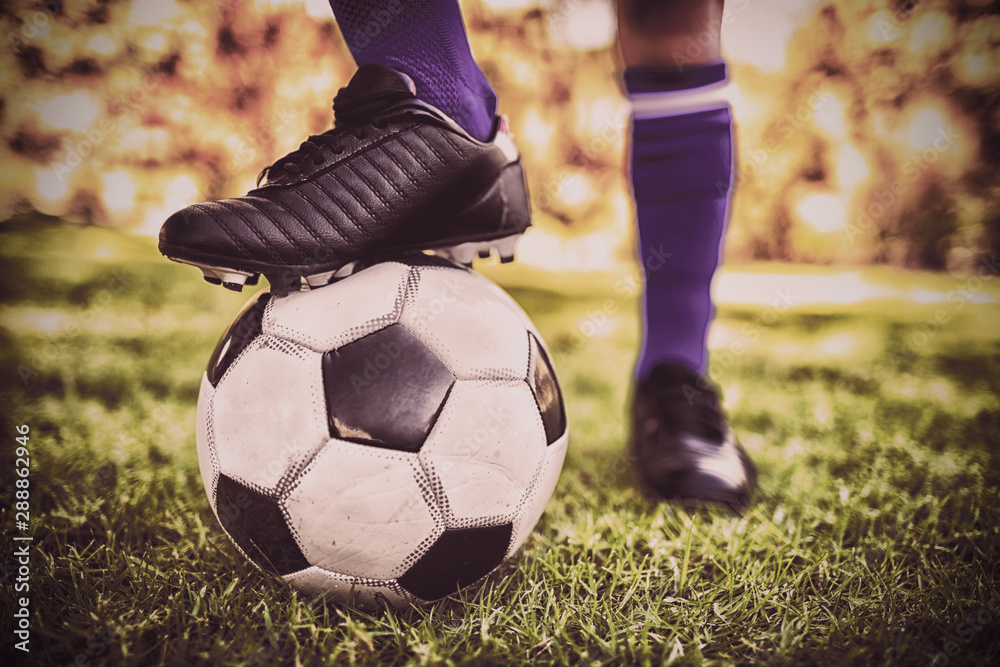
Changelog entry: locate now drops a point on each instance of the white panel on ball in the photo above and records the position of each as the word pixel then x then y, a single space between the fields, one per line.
pixel 369 594
pixel 486 447
pixel 545 484
pixel 514 307
pixel 269 411
pixel 204 439
pixel 371 509
pixel 324 319
pixel 467 324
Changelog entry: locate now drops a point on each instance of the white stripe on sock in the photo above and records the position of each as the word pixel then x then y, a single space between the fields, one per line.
pixel 681 102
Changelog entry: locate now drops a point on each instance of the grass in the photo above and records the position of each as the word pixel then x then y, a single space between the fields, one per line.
pixel 875 534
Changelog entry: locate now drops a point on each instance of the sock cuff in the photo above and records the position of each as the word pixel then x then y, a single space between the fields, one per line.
pixel 662 78
pixel 657 92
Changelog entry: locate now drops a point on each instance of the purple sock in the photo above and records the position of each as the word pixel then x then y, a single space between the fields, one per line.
pixel 681 170
pixel 426 40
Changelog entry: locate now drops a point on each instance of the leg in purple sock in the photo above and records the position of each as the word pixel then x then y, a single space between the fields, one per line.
pixel 426 40
pixel 681 169
pixel 681 443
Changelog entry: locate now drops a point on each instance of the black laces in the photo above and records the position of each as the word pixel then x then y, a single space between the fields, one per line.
pixel 353 114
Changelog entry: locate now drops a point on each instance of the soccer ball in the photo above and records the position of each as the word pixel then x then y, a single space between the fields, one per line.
pixel 385 440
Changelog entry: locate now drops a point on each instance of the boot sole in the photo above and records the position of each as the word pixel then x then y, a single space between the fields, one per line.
pixel 508 195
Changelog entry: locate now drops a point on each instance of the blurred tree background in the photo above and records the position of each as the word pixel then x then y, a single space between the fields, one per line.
pixel 868 132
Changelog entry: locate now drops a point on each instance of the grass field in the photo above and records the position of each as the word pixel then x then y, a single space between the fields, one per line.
pixel 874 541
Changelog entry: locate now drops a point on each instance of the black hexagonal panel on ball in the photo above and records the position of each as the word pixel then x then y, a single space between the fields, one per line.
pixel 460 557
pixel 385 389
pixel 244 328
pixel 545 387
pixel 256 524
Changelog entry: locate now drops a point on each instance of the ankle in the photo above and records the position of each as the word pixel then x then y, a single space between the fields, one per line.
pixel 666 34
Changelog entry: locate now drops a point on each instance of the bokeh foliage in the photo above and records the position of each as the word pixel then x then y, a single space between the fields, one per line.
pixel 877 141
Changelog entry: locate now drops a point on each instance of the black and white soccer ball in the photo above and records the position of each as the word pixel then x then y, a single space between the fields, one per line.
pixel 385 440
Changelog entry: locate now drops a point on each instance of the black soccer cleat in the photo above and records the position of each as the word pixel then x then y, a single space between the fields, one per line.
pixel 682 447
pixel 394 175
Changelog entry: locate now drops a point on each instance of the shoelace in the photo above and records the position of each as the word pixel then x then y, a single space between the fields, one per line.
pixel 352 115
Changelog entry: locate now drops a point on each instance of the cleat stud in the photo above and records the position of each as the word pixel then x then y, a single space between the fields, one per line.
pixel 463 254
pixel 210 275
pixel 506 248
pixel 233 279
pixel 319 279
pixel 344 271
